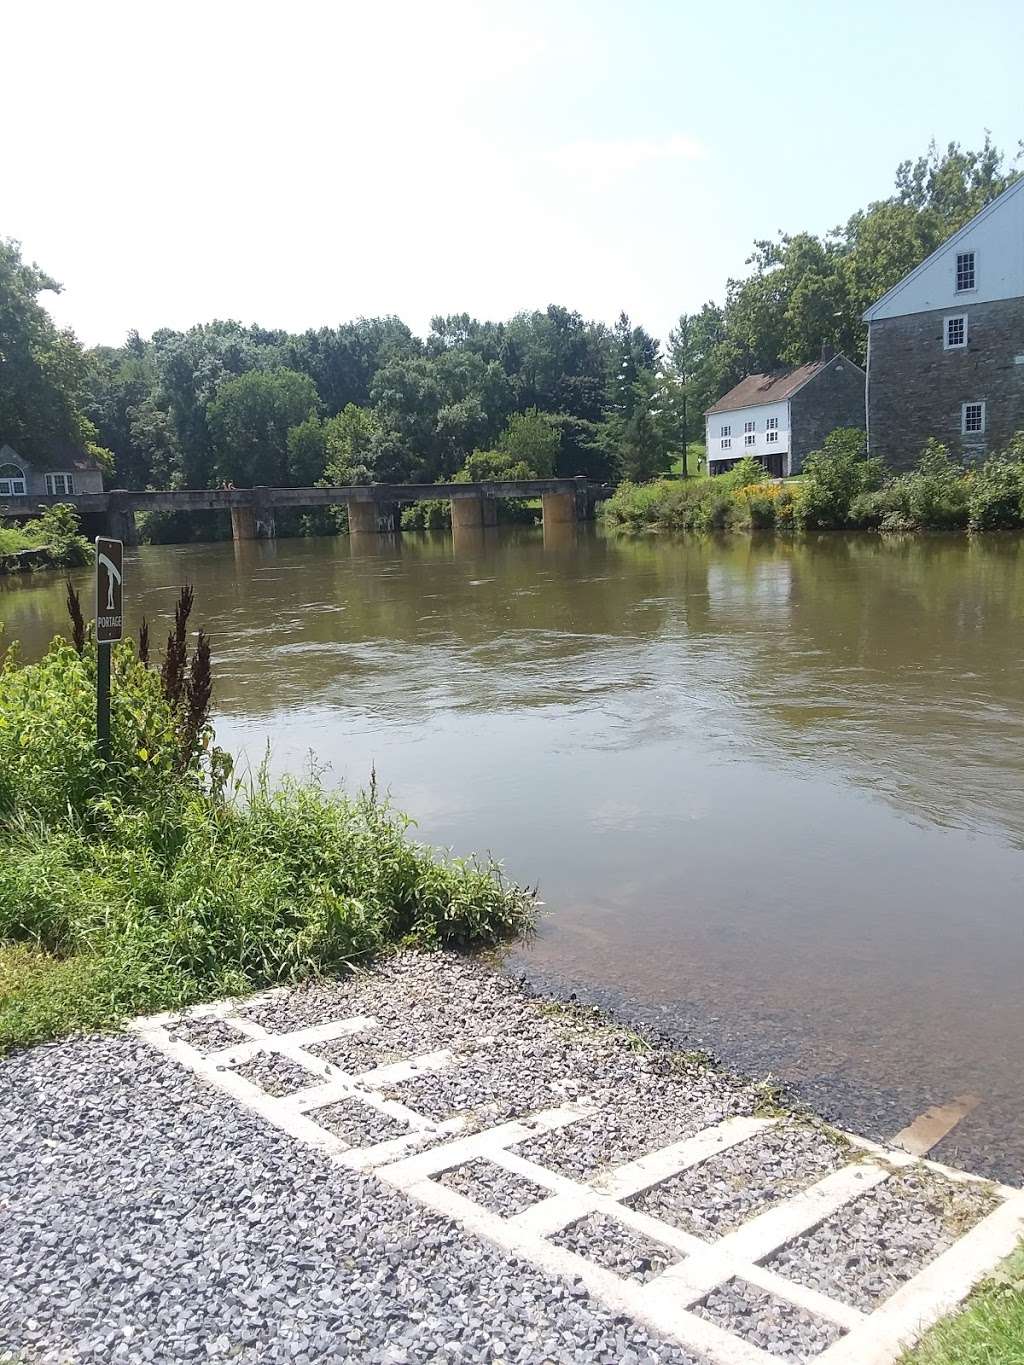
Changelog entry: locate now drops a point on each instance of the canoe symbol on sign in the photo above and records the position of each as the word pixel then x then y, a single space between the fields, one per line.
pixel 113 576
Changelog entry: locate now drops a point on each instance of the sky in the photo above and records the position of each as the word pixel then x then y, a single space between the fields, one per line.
pixel 300 164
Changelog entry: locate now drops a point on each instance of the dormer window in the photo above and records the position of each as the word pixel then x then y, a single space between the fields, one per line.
pixel 964 271
pixel 58 484
pixel 12 481
pixel 955 333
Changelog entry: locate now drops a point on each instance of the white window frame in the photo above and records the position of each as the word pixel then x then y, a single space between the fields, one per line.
pixel 13 486
pixel 968 288
pixel 972 431
pixel 67 485
pixel 726 443
pixel 749 438
pixel 749 426
pixel 948 345
pixel 726 431
pixel 771 436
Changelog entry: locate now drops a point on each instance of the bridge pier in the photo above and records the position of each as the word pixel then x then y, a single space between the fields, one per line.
pixel 362 516
pixel 490 511
pixel 468 511
pixel 121 526
pixel 559 507
pixel 243 523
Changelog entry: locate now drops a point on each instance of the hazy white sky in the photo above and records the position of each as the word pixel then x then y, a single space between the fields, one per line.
pixel 300 164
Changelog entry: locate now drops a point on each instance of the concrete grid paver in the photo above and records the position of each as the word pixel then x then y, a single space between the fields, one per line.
pixel 535 1208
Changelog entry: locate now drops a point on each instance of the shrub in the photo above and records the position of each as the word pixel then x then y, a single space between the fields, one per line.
pixel 996 498
pixel 834 476
pixel 55 530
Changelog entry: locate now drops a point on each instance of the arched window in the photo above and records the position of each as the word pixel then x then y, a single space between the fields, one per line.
pixel 12 481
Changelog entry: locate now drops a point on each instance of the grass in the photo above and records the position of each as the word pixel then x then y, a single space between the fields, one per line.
pixel 988 1331
pixel 56 530
pixel 156 881
pixel 694 461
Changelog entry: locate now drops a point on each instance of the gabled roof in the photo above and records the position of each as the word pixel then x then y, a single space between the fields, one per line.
pixel 948 245
pixel 57 457
pixel 772 388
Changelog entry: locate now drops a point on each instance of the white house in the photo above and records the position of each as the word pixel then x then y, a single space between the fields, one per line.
pixel 779 418
pixel 946 344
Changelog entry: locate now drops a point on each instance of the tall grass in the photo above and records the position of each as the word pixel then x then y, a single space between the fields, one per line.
pixel 158 879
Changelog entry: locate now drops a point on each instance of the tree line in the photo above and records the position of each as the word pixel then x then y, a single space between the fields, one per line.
pixel 546 392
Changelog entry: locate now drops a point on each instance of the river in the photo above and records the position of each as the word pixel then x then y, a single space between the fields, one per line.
pixel 771 791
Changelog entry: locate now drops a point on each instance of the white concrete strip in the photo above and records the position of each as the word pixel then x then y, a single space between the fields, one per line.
pixel 418 1168
pixel 933 1293
pixel 932 1126
pixel 810 1300
pixel 327 1033
pixel 621 1296
pixel 535 1174
pixel 655 1167
pixel 395 1073
pixel 756 1239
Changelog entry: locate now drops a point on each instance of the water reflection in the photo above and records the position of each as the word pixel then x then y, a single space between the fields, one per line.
pixel 771 790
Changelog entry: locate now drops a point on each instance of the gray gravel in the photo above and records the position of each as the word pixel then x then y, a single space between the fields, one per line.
pixel 207 1035
pixel 358 1124
pixel 719 1194
pixel 883 1238
pixel 147 1217
pixel 765 1320
pixel 611 1244
pixel 276 1074
pixel 492 1186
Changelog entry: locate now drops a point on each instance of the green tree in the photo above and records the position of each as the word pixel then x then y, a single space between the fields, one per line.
pixel 532 438
pixel 42 369
pixel 250 419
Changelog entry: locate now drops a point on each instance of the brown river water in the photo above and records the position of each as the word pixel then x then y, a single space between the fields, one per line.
pixel 771 792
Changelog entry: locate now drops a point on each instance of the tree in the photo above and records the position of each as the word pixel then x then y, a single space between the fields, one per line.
pixel 42 369
pixel 250 419
pixel 532 438
pixel 353 444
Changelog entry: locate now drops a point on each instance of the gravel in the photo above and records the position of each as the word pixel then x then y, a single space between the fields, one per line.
pixel 719 1194
pixel 278 1075
pixel 492 1186
pixel 764 1320
pixel 358 1124
pixel 207 1034
pixel 617 1247
pixel 148 1218
pixel 882 1239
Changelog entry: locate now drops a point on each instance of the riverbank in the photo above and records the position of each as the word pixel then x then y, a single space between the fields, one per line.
pixel 424 1162
pixel 840 489
pixel 155 878
pixel 49 541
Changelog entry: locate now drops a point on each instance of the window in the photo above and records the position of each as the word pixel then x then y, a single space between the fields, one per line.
pixel 972 418
pixel 771 431
pixel 748 426
pixel 964 271
pixel 726 431
pixel 12 481
pixel 955 338
pixel 727 443
pixel 749 439
pixel 60 483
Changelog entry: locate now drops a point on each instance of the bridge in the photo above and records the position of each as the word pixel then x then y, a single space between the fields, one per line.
pixel 372 508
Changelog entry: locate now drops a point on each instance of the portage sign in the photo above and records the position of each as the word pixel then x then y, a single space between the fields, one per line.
pixel 109 590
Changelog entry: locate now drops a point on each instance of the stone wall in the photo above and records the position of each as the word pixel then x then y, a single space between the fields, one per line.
pixel 834 398
pixel 916 389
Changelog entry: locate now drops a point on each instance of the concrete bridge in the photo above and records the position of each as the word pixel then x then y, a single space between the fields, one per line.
pixel 372 508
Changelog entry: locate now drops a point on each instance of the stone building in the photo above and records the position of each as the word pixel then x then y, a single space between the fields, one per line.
pixel 946 344
pixel 780 418
pixel 62 470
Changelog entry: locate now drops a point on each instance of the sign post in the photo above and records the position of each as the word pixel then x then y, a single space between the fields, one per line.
pixel 109 628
